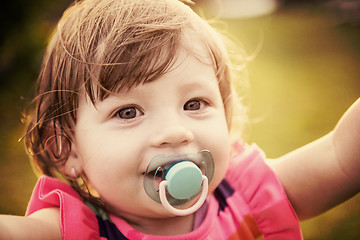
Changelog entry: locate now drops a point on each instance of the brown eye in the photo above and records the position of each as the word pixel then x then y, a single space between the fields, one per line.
pixel 127 113
pixel 192 105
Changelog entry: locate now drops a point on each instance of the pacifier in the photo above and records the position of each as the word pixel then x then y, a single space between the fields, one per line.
pixel 177 179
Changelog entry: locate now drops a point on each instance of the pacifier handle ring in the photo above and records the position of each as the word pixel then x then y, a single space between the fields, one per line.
pixel 183 212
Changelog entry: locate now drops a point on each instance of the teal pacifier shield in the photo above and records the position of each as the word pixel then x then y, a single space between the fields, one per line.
pixel 184 179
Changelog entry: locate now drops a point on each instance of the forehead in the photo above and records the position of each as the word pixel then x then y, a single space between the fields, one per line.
pixel 192 63
pixel 150 66
pixel 192 43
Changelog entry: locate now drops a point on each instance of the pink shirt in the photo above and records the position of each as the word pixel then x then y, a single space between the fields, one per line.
pixel 250 203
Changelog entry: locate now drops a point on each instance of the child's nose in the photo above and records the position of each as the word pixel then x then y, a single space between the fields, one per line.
pixel 172 134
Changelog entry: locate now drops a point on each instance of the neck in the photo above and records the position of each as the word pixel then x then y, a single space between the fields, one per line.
pixel 164 226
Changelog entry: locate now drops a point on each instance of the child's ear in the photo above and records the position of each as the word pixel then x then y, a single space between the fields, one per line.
pixel 73 164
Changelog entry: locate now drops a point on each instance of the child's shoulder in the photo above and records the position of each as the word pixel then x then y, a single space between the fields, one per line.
pixel 250 176
pixel 52 193
pixel 246 159
pixel 76 219
pixel 255 184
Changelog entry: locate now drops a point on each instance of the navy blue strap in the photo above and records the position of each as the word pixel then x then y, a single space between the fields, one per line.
pixel 109 230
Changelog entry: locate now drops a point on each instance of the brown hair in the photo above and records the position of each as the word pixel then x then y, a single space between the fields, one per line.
pixel 105 46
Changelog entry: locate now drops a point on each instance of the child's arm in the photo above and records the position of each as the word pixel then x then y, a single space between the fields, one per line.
pixel 326 172
pixel 43 224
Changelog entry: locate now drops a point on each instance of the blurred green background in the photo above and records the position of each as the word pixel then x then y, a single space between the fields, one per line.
pixel 306 74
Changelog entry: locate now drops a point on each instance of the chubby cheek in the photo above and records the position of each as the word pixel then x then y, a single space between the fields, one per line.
pixel 221 161
pixel 219 147
pixel 116 187
pixel 106 165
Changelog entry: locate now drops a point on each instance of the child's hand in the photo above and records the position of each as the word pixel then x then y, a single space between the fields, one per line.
pixel 325 172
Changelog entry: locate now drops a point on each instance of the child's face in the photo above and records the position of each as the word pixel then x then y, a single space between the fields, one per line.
pixel 181 112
